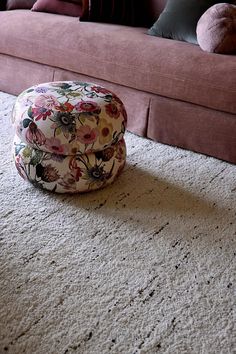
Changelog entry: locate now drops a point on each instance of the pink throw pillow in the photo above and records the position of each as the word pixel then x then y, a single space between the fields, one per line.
pixel 216 29
pixel 58 7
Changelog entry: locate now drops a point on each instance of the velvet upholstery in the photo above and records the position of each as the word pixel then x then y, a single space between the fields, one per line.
pixel 216 29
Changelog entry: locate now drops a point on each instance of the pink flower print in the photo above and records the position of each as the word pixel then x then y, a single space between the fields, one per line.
pixel 55 146
pixel 43 106
pixel 88 107
pixel 34 135
pixel 46 101
pixel 20 167
pixel 87 135
pixel 112 110
pixel 68 182
pixel 40 112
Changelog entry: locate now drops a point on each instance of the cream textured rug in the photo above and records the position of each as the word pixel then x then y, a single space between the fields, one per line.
pixel 147 265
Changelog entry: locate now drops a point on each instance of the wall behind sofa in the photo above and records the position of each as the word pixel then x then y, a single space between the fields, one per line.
pixel 2 4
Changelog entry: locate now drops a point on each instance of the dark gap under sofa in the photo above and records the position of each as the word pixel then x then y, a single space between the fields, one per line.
pixel 174 92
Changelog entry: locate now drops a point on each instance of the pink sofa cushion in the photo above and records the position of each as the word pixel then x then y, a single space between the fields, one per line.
pixel 58 7
pixel 117 57
pixel 19 4
pixel 216 29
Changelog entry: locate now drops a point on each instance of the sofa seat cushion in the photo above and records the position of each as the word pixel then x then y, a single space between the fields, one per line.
pixel 123 55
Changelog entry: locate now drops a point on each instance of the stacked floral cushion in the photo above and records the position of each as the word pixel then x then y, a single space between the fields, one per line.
pixel 69 136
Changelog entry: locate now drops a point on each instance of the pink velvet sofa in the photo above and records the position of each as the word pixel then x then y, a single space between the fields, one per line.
pixel 174 92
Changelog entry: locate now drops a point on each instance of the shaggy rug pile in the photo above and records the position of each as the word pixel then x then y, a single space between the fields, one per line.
pixel 146 265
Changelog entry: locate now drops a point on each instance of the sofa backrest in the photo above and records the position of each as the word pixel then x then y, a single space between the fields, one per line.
pixel 3 4
pixel 154 9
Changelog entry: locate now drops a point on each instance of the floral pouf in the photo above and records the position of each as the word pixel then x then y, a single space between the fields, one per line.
pixel 69 136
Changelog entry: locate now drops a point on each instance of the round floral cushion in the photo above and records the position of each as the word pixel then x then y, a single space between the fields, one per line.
pixel 69 174
pixel 69 118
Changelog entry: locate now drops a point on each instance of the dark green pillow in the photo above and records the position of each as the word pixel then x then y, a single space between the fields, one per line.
pixel 179 19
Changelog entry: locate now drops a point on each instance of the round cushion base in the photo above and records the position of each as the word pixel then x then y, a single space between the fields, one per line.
pixel 69 174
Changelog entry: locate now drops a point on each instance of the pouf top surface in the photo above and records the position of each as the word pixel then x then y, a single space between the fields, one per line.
pixel 69 117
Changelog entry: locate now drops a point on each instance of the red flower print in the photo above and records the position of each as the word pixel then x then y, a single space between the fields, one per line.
pixel 43 106
pixel 105 131
pixel 88 107
pixel 65 107
pixel 86 135
pixel 76 172
pixel 112 110
pixel 99 89
pixel 73 163
pixel 34 135
pixel 69 180
pixel 40 113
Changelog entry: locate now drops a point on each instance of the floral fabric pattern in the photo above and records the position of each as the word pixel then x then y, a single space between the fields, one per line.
pixel 69 118
pixel 72 173
pixel 69 136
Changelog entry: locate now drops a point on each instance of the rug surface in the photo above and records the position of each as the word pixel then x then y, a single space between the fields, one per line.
pixel 146 265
